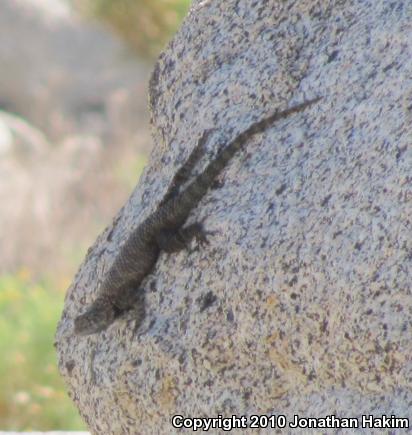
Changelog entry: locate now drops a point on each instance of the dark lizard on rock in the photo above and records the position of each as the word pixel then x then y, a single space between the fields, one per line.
pixel 163 230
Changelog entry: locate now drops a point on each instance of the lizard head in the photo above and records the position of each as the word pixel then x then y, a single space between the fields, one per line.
pixel 98 317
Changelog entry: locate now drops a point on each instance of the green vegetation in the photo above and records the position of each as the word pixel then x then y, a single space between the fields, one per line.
pixel 146 25
pixel 32 394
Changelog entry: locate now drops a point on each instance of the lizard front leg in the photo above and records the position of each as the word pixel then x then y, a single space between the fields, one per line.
pixel 135 309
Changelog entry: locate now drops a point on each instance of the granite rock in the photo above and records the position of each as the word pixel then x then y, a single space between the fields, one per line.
pixel 301 304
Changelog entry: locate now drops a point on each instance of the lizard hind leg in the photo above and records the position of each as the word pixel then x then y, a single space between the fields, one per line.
pixel 183 175
pixel 176 240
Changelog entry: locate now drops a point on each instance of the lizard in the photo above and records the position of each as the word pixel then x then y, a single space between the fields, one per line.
pixel 163 230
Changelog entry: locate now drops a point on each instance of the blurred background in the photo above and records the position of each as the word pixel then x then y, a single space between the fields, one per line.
pixel 74 137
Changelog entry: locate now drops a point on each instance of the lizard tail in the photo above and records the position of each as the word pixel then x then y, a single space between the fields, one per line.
pixel 177 210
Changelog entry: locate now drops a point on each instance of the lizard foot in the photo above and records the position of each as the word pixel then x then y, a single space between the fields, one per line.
pixel 174 241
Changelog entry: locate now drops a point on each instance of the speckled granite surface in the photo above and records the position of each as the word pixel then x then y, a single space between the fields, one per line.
pixel 308 276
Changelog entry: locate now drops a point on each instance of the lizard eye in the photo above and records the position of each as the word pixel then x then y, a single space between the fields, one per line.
pixel 93 321
pixel 117 312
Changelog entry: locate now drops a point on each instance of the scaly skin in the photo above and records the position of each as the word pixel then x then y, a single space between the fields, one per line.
pixel 163 230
